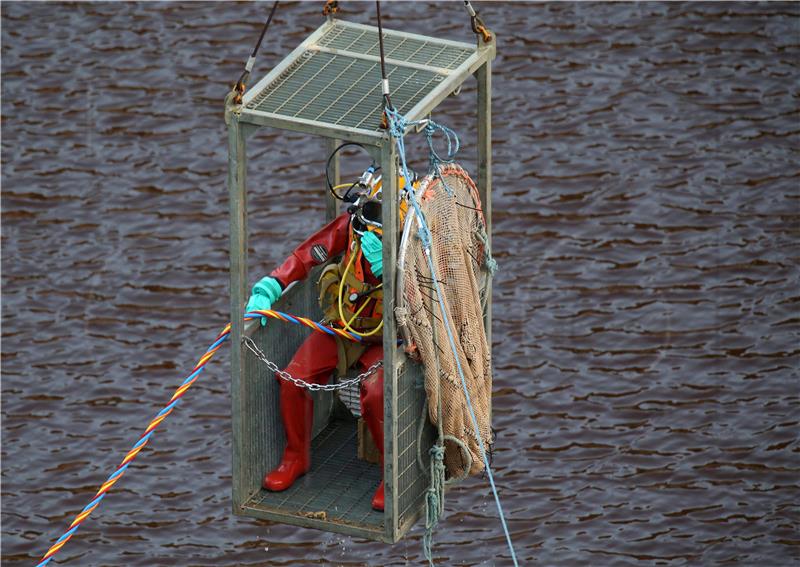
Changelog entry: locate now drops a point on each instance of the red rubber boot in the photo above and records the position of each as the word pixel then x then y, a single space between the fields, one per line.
pixel 372 412
pixel 313 362
pixel 297 412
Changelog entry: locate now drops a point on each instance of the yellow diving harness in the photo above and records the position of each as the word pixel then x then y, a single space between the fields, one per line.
pixel 347 299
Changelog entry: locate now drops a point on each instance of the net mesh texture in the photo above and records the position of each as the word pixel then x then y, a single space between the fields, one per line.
pixel 451 207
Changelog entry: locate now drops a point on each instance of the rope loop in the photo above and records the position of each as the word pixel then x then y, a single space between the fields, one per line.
pixel 453 143
pixel 434 159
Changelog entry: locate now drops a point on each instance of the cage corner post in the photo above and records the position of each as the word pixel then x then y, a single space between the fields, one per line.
pixel 391 353
pixel 484 78
pixel 237 196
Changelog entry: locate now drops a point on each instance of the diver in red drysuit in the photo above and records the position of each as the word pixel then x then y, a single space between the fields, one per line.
pixel 320 354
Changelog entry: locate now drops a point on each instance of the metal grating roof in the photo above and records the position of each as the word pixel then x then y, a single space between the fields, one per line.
pixel 334 77
pixel 419 50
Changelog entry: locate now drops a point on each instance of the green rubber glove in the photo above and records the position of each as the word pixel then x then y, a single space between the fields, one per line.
pixel 265 293
pixel 372 247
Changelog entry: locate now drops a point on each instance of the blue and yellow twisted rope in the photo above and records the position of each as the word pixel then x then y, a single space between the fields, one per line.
pixel 166 410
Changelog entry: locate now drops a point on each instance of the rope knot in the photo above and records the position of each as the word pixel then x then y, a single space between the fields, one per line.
pixel 434 499
pixel 491 265
pixel 397 122
pixel 425 237
pixel 437 452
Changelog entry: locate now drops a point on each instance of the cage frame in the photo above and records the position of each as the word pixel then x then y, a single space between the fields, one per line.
pixel 241 123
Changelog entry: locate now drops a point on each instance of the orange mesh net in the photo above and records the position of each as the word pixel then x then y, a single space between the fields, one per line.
pixel 452 210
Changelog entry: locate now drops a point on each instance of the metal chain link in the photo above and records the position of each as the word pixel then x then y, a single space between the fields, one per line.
pixel 283 375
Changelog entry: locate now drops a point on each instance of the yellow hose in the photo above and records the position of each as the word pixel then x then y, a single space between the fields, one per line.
pixel 357 313
pixel 345 322
pixel 337 188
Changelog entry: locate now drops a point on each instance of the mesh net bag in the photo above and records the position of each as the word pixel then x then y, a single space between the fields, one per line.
pixel 452 209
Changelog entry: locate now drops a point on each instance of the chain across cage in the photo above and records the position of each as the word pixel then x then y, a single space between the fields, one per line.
pixel 283 375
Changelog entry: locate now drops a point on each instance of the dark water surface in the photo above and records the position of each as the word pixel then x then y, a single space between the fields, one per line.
pixel 647 223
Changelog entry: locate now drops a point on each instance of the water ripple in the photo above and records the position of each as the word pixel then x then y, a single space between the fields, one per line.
pixel 646 206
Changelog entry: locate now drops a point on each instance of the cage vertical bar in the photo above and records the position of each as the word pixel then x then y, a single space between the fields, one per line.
pixel 237 173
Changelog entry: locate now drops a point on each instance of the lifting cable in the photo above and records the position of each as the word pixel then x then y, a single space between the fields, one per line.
pixel 240 84
pixel 384 80
pixel 397 124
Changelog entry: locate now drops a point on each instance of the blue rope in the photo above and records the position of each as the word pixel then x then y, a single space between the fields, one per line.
pixel 434 159
pixel 397 128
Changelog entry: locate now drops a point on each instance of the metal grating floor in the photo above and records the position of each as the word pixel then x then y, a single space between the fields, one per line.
pixel 338 488
pixel 335 79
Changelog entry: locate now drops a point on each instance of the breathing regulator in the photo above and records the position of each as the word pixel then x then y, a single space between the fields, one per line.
pixel 364 195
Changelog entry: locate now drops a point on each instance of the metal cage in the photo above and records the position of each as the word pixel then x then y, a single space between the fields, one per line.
pixel 329 86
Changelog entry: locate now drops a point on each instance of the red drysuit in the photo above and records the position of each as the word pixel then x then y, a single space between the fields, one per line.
pixel 316 359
